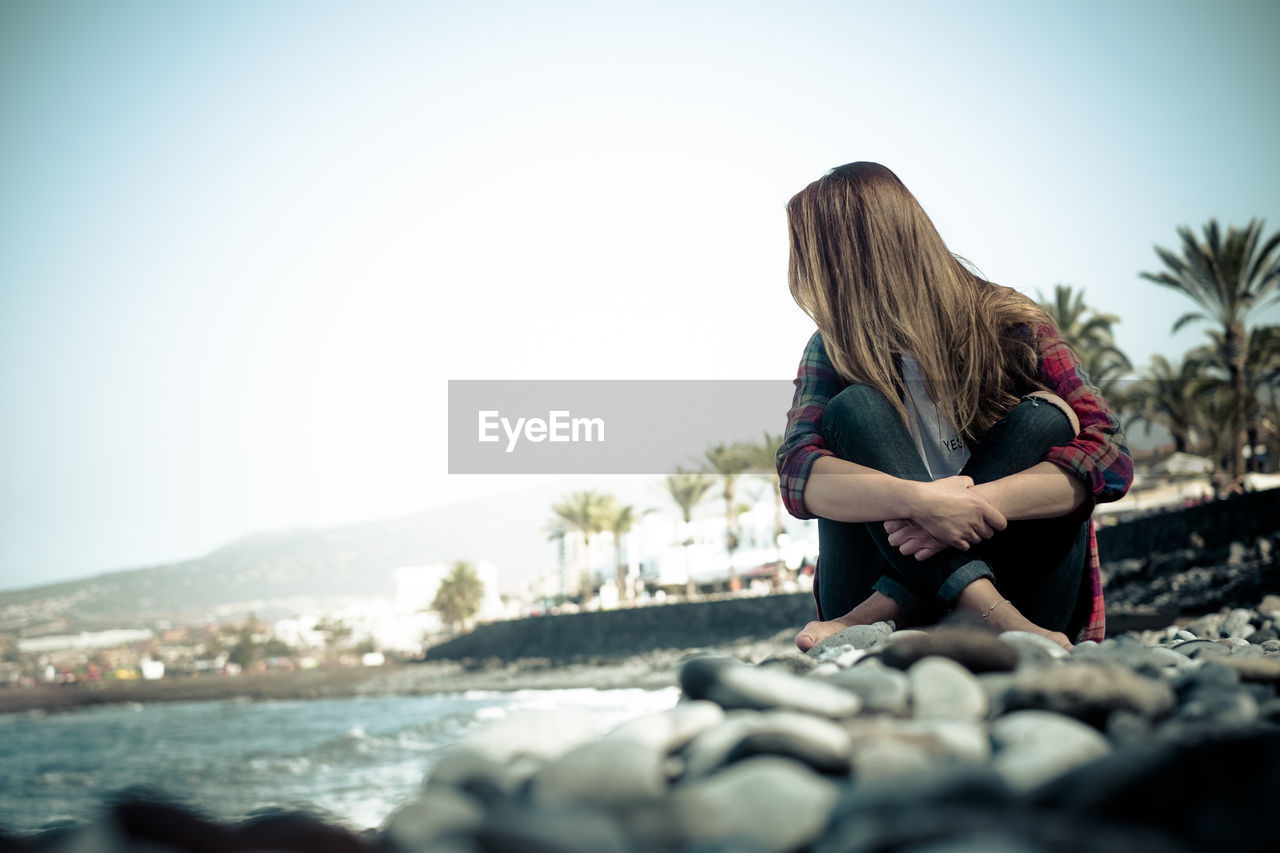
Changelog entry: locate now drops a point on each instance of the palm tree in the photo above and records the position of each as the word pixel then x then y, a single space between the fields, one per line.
pixel 1229 279
pixel 1171 397
pixel 619 520
pixel 763 456
pixel 730 461
pixel 688 489
pixel 585 513
pixel 459 596
pixel 1089 333
pixel 1261 374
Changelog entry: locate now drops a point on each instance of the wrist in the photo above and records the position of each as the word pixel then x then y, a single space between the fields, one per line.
pixel 911 499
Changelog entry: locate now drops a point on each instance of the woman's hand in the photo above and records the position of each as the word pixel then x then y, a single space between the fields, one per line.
pixel 912 539
pixel 953 514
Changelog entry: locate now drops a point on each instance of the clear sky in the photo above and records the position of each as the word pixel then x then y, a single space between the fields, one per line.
pixel 245 245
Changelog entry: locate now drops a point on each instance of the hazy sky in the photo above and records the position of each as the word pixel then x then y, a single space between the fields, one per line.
pixel 244 246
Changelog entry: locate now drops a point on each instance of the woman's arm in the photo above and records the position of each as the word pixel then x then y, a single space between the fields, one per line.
pixel 815 483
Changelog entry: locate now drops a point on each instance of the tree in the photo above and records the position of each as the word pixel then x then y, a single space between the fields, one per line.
pixel 763 461
pixel 585 513
pixel 1089 332
pixel 1172 397
pixel 459 595
pixel 619 520
pixel 687 489
pixel 1229 278
pixel 730 461
pixel 1261 375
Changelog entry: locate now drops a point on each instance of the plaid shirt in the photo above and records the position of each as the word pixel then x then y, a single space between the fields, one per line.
pixel 1097 455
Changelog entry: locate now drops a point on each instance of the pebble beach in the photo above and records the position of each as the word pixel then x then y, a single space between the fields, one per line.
pixel 940 741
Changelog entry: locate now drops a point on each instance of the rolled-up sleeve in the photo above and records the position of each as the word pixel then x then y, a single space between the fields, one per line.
pixel 1098 455
pixel 816 383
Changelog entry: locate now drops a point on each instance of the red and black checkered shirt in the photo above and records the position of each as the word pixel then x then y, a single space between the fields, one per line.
pixel 1097 455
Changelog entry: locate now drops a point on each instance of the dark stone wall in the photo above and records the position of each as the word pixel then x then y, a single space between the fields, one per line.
pixel 621 633
pixel 1148 559
pixel 1237 519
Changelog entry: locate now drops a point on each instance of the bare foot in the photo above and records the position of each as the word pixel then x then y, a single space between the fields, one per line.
pixel 979 596
pixel 1013 620
pixel 877 608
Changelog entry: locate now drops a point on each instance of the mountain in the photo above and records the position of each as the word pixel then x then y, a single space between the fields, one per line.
pixel 351 560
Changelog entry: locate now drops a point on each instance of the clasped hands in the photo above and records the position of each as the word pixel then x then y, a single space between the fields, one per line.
pixel 946 513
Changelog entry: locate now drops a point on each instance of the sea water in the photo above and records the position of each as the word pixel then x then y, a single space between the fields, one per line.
pixel 350 760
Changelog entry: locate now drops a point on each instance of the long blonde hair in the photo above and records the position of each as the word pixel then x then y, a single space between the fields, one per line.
pixel 871 270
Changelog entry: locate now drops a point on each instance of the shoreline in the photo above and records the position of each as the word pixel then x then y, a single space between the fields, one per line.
pixel 652 671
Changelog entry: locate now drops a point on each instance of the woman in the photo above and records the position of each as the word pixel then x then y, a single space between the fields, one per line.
pixel 943 433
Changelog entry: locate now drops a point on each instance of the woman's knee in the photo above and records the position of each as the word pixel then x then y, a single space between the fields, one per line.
pixel 857 408
pixel 1044 416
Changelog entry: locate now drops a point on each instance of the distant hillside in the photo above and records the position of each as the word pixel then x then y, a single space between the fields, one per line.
pixel 353 560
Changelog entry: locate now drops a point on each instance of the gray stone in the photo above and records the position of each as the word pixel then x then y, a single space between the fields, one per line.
pixel 1208 626
pixel 773 802
pixel 1271 647
pixel 882 690
pixel 667 731
pixel 794 662
pixel 1033 649
pixel 942 741
pixel 943 689
pixel 1270 606
pixel 734 685
pixel 439 811
pixel 1197 648
pixel 858 636
pixel 815 741
pixel 551 829
pixel 612 773
pixel 536 734
pixel 1239 623
pixel 1185 635
pixel 886 759
pixel 975 649
pixel 1035 746
pixel 1253 668
pixel 1089 689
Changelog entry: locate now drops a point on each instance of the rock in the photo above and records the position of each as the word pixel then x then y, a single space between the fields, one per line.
pixel 773 802
pixel 1271 647
pixel 943 689
pixel 1032 649
pixel 551 829
pixel 858 636
pixel 941 741
pixel 1089 690
pixel 796 663
pixel 734 685
pixel 885 759
pixel 1035 746
pixel 1157 786
pixel 882 690
pixel 1270 606
pixel 1239 623
pixel 439 811
pixel 1185 635
pixel 973 648
pixel 611 773
pixel 536 734
pixel 667 731
pixel 1197 648
pixel 1207 627
pixel 815 741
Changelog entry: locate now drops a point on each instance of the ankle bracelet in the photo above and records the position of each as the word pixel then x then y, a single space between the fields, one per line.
pixel 987 612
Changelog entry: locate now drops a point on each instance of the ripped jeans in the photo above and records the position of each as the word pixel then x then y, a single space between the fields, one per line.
pixel 1037 564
